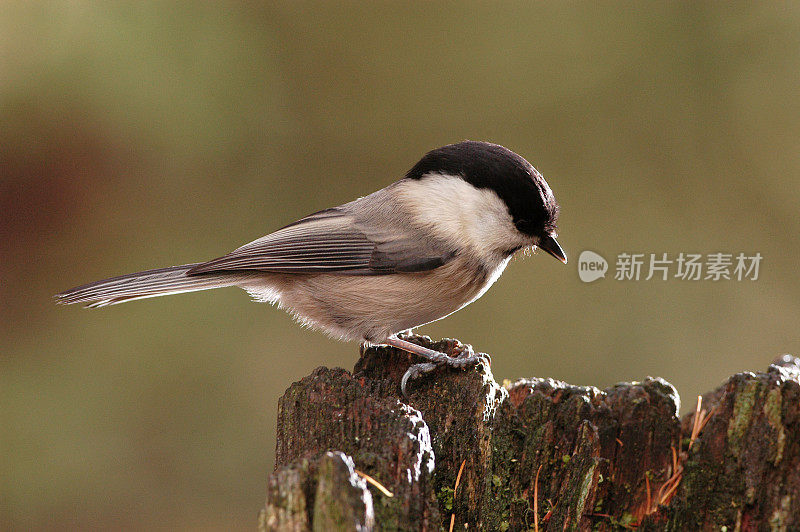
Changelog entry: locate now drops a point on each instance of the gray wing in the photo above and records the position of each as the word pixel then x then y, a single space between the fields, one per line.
pixel 333 241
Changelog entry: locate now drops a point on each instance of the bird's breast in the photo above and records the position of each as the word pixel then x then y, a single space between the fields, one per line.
pixel 374 307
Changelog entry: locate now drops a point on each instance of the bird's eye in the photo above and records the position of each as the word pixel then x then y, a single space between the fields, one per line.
pixel 525 226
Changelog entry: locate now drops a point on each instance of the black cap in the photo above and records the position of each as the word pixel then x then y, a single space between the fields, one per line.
pixel 484 165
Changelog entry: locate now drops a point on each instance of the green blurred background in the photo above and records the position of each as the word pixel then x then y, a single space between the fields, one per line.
pixel 144 135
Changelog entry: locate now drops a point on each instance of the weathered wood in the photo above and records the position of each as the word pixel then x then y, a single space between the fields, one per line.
pixel 610 459
pixel 743 472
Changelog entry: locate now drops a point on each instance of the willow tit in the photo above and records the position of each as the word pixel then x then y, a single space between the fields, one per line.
pixel 409 254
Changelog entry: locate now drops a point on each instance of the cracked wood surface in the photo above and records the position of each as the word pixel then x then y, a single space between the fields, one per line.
pixel 611 459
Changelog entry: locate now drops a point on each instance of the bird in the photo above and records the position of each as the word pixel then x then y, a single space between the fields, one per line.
pixel 411 253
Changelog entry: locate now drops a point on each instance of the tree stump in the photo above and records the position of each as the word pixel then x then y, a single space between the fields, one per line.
pixel 353 454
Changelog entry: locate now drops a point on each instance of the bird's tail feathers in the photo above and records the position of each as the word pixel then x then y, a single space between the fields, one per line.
pixel 140 285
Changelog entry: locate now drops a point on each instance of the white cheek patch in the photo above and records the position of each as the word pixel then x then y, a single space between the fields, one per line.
pixel 455 211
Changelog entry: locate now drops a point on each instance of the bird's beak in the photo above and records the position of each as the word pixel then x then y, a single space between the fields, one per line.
pixel 550 245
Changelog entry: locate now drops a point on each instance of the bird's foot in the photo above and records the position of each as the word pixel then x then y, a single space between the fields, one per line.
pixel 465 357
pixel 464 351
pixel 413 372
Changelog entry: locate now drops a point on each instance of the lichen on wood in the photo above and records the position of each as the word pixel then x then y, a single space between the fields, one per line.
pixel 609 459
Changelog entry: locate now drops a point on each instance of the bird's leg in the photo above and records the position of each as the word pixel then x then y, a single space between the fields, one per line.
pixel 466 358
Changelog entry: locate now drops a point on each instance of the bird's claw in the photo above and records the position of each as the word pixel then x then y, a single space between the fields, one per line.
pixel 413 372
pixel 464 351
pixel 466 358
pixel 460 350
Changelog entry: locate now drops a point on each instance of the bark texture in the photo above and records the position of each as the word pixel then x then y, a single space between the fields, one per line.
pixel 619 458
